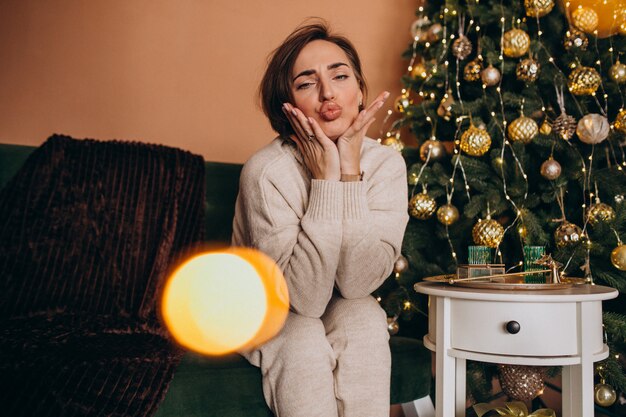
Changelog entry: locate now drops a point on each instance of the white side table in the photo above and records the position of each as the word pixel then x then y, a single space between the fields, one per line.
pixel 556 328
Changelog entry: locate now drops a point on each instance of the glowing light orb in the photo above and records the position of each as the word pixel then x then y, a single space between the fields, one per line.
pixel 222 301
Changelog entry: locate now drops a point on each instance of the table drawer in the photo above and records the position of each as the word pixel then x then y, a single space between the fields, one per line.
pixel 546 329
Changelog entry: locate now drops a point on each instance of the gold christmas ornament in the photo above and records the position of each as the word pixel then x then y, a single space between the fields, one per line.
pixel 617 72
pixel 593 128
pixel 528 70
pixel 515 43
pixel 600 212
pixel 620 121
pixel 487 232
pixel 538 8
pixel 393 142
pixel 564 126
pixel 401 103
pixel 435 148
pixel 523 129
pixel 618 257
pixel 585 19
pixel 475 141
pixel 550 169
pixel 583 81
pixel 434 32
pixel 575 38
pixel 447 214
pixel 445 106
pixel 545 128
pixel 462 47
pixel 521 382
pixel 392 326
pixel 400 265
pixel 567 233
pixel 422 206
pixel 419 71
pixel 472 70
pixel 419 28
pixel 490 76
pixel 611 13
pixel 604 395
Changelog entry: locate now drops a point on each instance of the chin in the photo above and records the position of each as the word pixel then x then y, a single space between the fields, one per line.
pixel 334 130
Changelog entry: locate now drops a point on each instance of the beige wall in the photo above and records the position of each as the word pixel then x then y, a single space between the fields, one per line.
pixel 178 72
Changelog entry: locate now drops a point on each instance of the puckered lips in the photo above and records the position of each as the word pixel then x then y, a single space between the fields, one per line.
pixel 330 111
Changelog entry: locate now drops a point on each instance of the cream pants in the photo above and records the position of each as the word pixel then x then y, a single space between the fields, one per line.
pixel 338 365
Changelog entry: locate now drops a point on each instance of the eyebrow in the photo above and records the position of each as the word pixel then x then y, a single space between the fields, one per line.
pixel 311 71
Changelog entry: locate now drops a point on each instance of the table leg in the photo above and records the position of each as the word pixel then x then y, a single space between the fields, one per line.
pixel 460 389
pixel 446 365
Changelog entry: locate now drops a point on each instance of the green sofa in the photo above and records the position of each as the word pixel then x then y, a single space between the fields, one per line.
pixel 229 386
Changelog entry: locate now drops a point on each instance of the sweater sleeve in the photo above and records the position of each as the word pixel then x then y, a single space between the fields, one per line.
pixel 374 220
pixel 305 245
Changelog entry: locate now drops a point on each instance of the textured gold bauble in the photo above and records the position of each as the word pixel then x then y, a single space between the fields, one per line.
pixel 515 43
pixel 617 72
pixel 620 122
pixel 392 326
pixel 523 129
pixel 433 34
pixel 490 76
pixel 564 126
pixel 567 233
pixel 435 148
pixel 447 214
pixel 550 169
pixel 538 8
pixel 419 28
pixel 545 128
pixel 475 141
pixel 583 81
pixel 528 70
pixel 401 264
pixel 462 47
pixel 585 19
pixel 419 71
pixel 618 257
pixel 472 70
pixel 575 39
pixel 394 142
pixel 487 232
pixel 600 212
pixel 422 206
pixel 593 128
pixel 401 103
pixel 604 395
pixel 521 382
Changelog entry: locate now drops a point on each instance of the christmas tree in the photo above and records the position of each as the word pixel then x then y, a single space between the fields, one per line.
pixel 518 108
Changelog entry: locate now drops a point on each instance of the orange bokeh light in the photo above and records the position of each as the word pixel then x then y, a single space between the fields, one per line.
pixel 226 300
pixel 610 13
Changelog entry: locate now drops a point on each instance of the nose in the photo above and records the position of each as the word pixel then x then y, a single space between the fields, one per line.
pixel 327 91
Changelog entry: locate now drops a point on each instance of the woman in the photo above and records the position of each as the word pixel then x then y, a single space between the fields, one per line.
pixel 329 206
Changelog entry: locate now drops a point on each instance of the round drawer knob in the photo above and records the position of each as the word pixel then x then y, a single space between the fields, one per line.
pixel 513 327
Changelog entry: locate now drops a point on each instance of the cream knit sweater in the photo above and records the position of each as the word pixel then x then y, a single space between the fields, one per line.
pixel 324 235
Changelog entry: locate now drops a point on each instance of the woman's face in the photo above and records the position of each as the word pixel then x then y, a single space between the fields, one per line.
pixel 325 88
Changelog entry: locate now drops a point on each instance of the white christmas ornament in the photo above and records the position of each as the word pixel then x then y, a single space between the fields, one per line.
pixel 593 128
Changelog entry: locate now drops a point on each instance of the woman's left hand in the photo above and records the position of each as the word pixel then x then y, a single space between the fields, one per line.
pixel 349 143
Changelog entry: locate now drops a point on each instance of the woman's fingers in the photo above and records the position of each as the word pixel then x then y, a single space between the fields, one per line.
pixel 366 117
pixel 298 121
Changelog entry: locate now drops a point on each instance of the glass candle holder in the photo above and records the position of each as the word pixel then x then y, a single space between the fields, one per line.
pixel 531 254
pixel 478 255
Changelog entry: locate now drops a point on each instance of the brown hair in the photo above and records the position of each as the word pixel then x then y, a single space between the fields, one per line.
pixel 275 88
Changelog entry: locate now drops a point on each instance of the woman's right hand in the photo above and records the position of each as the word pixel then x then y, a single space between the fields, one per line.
pixel 320 154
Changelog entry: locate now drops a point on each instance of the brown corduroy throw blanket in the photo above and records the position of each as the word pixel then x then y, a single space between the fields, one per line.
pixel 89 231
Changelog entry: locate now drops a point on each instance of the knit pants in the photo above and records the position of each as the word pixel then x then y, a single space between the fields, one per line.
pixel 338 365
